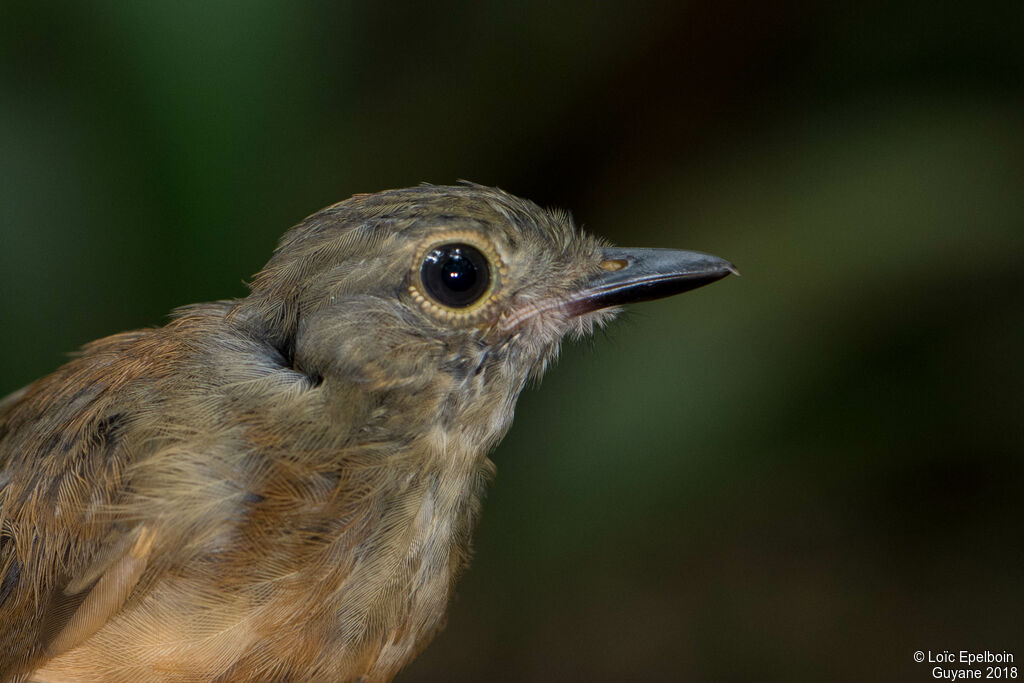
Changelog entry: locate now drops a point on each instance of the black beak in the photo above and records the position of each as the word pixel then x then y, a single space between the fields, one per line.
pixel 632 275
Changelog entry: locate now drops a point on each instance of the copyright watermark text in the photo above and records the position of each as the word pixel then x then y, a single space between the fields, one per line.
pixel 963 665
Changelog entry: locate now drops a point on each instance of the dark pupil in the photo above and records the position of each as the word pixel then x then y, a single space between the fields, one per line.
pixel 455 274
pixel 458 273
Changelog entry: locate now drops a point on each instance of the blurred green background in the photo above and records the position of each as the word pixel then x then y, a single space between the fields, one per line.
pixel 806 473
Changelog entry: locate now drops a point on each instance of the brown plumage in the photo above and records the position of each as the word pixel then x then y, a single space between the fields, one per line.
pixel 283 487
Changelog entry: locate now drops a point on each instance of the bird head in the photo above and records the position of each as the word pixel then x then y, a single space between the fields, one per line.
pixel 432 287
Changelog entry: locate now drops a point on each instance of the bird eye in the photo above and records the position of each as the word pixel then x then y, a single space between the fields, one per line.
pixel 455 275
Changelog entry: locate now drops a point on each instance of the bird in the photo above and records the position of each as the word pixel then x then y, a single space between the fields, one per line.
pixel 283 486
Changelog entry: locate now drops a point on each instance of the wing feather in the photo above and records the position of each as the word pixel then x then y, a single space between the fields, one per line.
pixel 66 565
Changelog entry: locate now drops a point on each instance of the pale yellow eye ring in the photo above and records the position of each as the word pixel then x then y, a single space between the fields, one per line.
pixel 476 311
